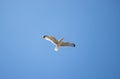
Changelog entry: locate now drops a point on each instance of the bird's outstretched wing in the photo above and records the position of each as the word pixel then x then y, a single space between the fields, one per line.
pixel 67 44
pixel 51 39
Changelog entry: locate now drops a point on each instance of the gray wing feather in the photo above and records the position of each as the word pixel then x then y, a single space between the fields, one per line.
pixel 68 44
pixel 51 39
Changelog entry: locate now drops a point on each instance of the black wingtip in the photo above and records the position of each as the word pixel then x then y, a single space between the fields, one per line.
pixel 44 36
pixel 74 45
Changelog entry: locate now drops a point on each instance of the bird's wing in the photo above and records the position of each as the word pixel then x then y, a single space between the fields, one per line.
pixel 68 44
pixel 51 39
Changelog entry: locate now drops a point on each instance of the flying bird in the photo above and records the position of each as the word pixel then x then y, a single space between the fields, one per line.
pixel 58 43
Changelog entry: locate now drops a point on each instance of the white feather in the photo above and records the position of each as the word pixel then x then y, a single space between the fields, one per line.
pixel 49 40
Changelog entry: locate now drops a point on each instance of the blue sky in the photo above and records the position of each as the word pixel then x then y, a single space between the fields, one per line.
pixel 93 25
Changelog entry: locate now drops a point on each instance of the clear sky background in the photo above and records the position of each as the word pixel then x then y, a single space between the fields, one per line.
pixel 93 25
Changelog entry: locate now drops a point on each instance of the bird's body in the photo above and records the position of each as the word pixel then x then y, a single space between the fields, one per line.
pixel 58 43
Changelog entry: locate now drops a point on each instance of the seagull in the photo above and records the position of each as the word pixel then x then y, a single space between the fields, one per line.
pixel 58 43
